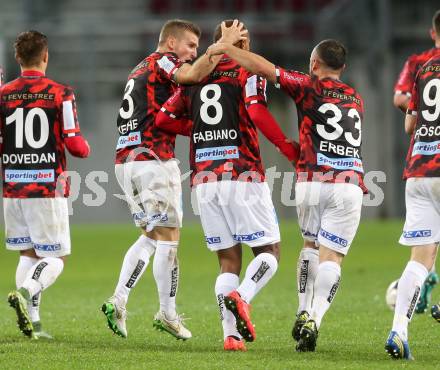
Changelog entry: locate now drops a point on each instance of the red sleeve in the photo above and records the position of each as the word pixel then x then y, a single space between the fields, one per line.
pixel 414 101
pixel 172 115
pixel 68 114
pixel 168 65
pixel 406 78
pixel 262 118
pixel 173 125
pixel 292 82
pixel 77 146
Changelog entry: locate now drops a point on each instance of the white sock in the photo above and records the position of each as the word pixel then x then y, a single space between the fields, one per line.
pixel 408 292
pixel 43 274
pixel 225 284
pixel 135 262
pixel 307 269
pixel 25 263
pixel 166 274
pixel 258 273
pixel 325 288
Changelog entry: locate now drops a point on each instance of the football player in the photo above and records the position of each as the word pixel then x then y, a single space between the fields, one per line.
pixel 38 120
pixel 149 175
pixel 402 95
pixel 227 177
pixel 329 189
pixel 422 197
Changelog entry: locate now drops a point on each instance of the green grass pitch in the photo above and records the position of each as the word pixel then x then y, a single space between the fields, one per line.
pixel 352 335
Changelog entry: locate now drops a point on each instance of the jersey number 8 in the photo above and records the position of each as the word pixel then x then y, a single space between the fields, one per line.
pixel 211 102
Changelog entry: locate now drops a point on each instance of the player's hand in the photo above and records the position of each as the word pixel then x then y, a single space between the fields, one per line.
pixel 218 48
pixel 234 33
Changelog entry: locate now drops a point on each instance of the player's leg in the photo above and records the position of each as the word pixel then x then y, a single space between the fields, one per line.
pixel 47 220
pixel 28 258
pixel 339 222
pixel 18 239
pixel 133 266
pixel 408 292
pixel 421 233
pixel 252 220
pixel 138 255
pixel 227 282
pixel 309 219
pixel 161 197
pixel 219 239
pixel 425 295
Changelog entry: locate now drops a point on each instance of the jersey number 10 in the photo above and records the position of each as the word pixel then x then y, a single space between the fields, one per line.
pixel 24 127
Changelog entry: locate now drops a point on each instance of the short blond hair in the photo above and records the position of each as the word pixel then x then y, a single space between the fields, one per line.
pixel 175 27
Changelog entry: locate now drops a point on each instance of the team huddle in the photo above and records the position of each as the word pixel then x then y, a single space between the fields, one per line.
pixel 219 101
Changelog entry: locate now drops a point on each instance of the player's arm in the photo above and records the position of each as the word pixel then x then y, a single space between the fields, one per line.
pixel 267 124
pixel 74 141
pixel 171 118
pixel 202 67
pixel 255 101
pixel 411 113
pixel 252 62
pixel 403 87
pixel 401 101
pixel 410 123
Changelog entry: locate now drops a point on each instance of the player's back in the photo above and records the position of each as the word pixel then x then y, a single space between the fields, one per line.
pixel 405 81
pixel 148 87
pixel 224 139
pixel 423 159
pixel 36 113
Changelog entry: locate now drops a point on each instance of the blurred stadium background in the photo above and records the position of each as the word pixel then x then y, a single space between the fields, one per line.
pixel 93 44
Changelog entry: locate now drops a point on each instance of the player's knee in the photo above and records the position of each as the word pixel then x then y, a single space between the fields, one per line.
pixel 310 244
pixel 163 233
pixel 29 253
pixel 273 249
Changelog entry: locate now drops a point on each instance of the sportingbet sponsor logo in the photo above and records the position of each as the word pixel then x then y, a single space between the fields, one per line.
pixel 213 239
pixel 304 273
pixel 38 270
pixel 174 278
pixel 333 291
pixel 27 176
pixel 417 234
pixel 346 164
pixel 260 272
pixel 218 153
pixel 422 148
pixel 47 247
pixel 137 270
pixel 19 240
pixel 134 138
pixel 248 237
pixel 413 303
pixel 333 238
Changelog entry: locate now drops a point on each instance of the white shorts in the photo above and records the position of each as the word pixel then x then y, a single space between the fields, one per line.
pixel 422 223
pixel 41 224
pixel 235 212
pixel 328 213
pixel 153 192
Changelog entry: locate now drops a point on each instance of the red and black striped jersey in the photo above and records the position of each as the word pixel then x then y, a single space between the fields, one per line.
pixel 407 76
pixel 36 114
pixel 329 117
pixel 149 86
pixel 423 159
pixel 224 140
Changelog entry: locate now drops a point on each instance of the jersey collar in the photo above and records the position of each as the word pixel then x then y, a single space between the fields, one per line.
pixel 32 73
